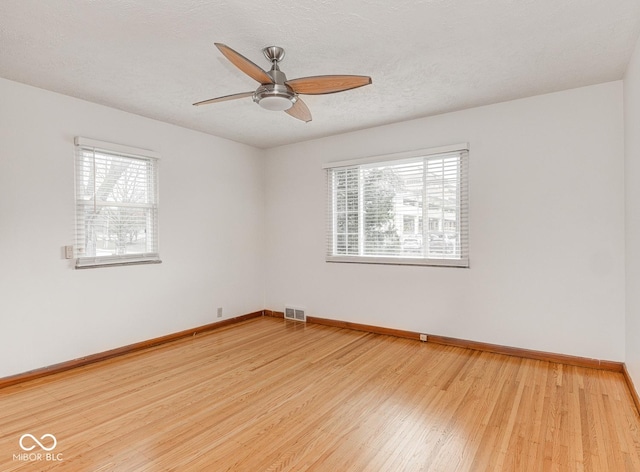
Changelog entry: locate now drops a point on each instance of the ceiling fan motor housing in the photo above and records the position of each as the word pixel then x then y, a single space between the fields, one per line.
pixel 277 96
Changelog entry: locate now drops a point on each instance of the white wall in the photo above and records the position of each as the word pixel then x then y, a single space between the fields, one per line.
pixel 547 229
pixel 632 191
pixel 547 250
pixel 211 219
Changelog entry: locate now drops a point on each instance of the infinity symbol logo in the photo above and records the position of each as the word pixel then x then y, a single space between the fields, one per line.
pixel 42 446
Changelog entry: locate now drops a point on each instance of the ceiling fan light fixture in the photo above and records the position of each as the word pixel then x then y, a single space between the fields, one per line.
pixel 275 103
pixel 274 97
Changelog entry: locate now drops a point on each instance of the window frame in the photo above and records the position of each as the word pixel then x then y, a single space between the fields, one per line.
pixel 461 150
pixel 151 159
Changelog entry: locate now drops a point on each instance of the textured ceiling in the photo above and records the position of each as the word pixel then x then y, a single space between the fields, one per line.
pixel 157 57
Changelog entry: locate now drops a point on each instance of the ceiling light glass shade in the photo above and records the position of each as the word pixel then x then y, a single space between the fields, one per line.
pixel 274 97
pixel 275 103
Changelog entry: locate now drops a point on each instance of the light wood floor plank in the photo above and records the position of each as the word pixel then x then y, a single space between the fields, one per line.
pixel 274 395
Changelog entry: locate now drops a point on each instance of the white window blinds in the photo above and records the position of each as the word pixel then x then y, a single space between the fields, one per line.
pixel 409 208
pixel 116 204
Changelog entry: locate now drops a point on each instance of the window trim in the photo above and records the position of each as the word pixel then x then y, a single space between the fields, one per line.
pixel 88 262
pixel 112 148
pixel 463 262
pixel 398 156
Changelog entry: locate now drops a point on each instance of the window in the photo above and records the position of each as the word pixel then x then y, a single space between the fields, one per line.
pixel 376 207
pixel 116 204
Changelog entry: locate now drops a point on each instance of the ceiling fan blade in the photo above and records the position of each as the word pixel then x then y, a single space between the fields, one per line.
pixel 300 111
pixel 245 65
pixel 321 84
pixel 224 99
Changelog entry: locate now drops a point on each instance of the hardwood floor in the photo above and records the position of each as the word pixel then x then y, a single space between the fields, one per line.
pixel 271 395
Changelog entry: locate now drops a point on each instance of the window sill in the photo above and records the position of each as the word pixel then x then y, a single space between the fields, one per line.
pixel 456 263
pixel 111 263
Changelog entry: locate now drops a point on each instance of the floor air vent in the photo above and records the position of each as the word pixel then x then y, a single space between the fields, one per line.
pixel 295 314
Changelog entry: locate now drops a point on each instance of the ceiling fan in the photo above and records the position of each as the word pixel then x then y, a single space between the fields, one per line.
pixel 276 92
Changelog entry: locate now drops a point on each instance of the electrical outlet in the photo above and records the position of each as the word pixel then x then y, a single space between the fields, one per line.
pixel 219 312
pixel 423 338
